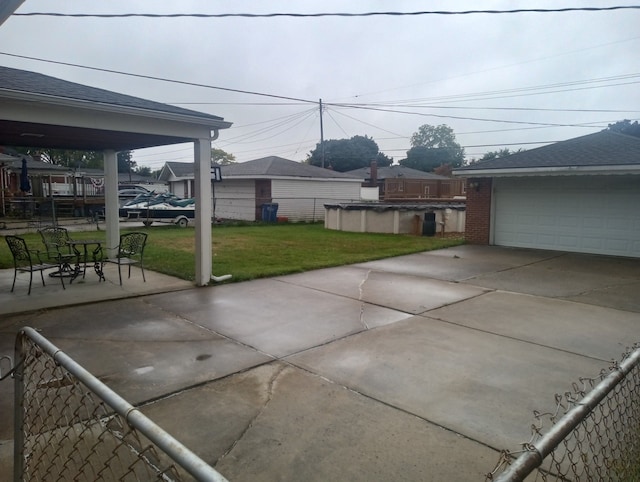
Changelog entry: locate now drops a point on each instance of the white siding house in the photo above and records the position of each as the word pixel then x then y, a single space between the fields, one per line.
pixel 299 190
pixel 235 200
pixel 304 199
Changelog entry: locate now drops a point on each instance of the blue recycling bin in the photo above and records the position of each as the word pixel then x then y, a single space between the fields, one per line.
pixel 270 212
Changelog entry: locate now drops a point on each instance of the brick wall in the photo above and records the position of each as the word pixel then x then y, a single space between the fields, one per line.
pixel 478 210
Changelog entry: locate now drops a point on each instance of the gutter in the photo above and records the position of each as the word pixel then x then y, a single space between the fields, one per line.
pixel 549 171
pixel 114 108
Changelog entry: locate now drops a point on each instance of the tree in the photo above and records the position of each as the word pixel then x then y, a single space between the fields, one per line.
pixel 143 171
pixel 347 154
pixel 488 156
pixel 222 158
pixel 125 163
pixel 67 158
pixel 626 127
pixel 433 146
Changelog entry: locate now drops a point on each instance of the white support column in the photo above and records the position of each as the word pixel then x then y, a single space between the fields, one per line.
pixel 112 218
pixel 204 211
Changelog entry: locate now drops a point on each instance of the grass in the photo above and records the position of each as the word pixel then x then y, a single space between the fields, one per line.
pixel 258 251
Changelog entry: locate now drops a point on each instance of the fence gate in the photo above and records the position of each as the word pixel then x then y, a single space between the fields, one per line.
pixel 70 426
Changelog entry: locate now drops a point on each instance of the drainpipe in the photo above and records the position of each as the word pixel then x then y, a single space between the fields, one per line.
pixel 224 277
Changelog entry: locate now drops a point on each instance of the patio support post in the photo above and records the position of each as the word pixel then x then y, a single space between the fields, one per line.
pixel 202 156
pixel 112 218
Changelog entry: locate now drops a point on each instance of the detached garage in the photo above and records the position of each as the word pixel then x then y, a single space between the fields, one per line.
pixel 580 195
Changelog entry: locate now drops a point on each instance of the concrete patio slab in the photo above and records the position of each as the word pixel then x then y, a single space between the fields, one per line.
pixel 458 263
pixel 586 330
pixel 282 421
pixel 564 276
pixel 329 375
pixel 275 317
pixel 480 385
pixel 621 297
pixel 411 294
pixel 140 351
pixel 87 290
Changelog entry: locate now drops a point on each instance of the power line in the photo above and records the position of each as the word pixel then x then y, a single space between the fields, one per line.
pixel 494 93
pixel 480 119
pixel 161 79
pixel 370 125
pixel 497 68
pixel 327 14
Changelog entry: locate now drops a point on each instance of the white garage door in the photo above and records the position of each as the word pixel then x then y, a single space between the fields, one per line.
pixel 582 214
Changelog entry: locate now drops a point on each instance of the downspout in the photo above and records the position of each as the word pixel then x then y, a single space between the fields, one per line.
pixel 224 277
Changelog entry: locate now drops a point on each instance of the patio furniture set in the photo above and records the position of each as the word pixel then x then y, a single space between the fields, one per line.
pixel 69 258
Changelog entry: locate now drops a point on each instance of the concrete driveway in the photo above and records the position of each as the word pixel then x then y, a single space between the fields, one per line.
pixel 419 367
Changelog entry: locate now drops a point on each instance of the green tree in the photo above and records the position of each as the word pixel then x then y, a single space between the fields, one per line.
pixel 222 158
pixel 433 146
pixel 65 157
pixel 125 163
pixel 626 127
pixel 143 171
pixel 504 152
pixel 347 154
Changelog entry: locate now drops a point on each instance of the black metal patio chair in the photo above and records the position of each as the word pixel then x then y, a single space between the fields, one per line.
pixel 27 260
pixel 59 250
pixel 130 252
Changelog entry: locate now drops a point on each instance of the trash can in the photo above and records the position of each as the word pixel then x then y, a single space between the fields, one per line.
pixel 270 212
pixel 429 224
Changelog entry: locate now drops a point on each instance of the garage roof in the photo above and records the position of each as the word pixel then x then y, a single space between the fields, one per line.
pixel 274 166
pixel 602 152
pixel 394 172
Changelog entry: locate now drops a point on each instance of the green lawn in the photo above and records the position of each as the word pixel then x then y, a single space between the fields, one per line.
pixel 257 251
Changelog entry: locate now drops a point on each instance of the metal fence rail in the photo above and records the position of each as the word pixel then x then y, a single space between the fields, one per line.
pixel 70 426
pixel 593 434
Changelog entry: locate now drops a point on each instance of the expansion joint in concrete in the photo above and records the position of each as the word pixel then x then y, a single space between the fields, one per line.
pixel 269 396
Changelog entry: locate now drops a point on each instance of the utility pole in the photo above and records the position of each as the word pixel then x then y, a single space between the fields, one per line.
pixel 321 135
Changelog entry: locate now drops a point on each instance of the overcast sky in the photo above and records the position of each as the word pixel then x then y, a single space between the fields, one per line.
pixel 507 80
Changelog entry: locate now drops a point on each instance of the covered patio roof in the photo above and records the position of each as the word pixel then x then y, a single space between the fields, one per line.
pixel 29 98
pixel 46 112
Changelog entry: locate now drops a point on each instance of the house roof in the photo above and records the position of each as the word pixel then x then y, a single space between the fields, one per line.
pixel 35 83
pixel 48 129
pixel 274 166
pixel 14 163
pixel 397 171
pixel 602 152
pixel 179 170
pixel 266 167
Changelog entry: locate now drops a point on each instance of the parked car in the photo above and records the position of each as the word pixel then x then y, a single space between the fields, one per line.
pixel 128 193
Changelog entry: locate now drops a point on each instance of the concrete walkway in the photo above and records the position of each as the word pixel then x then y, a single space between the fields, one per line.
pixel 419 367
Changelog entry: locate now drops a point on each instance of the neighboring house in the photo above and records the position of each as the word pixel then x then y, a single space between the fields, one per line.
pixel 179 176
pixel 400 182
pixel 578 195
pixel 300 190
pixel 42 175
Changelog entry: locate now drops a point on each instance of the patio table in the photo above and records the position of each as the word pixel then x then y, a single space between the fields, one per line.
pixel 82 257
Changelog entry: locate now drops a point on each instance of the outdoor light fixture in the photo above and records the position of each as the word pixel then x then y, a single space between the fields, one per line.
pixel 475 185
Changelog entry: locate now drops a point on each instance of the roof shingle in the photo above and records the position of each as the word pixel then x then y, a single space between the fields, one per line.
pixel 604 148
pixel 35 83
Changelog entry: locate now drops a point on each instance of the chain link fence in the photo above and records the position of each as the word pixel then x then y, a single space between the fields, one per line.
pixel 593 434
pixel 70 426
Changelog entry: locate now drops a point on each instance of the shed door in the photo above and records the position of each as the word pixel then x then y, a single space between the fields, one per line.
pixel 588 214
